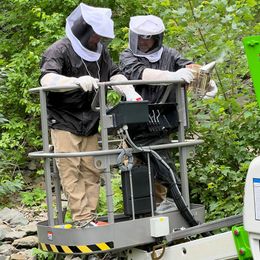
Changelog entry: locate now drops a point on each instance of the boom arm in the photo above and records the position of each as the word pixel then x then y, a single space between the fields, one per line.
pixel 251 213
pixel 252 49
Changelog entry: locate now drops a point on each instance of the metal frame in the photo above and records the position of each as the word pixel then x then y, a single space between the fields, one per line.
pixel 112 236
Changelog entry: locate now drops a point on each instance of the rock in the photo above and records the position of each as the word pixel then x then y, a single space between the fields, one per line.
pixel 71 257
pixel 19 256
pixel 11 236
pixel 5 214
pixel 30 229
pixel 29 255
pixel 19 219
pixel 41 185
pixel 7 250
pixel 4 229
pixel 17 238
pixel 4 257
pixel 13 217
pixel 26 242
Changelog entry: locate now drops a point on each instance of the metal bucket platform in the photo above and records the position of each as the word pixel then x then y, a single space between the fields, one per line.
pixel 113 236
pixel 121 232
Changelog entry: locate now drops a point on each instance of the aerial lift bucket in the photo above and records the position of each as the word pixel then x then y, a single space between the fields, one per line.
pixel 122 231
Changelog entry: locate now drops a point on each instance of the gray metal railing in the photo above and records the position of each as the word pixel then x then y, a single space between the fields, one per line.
pixel 106 155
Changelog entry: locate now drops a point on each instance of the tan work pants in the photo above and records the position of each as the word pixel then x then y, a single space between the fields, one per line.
pixel 160 192
pixel 79 177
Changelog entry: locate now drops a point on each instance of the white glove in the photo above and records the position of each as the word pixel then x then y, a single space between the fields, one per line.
pixel 181 74
pixel 126 90
pixel 213 90
pixel 59 81
pixel 87 83
pixel 131 95
pixel 56 80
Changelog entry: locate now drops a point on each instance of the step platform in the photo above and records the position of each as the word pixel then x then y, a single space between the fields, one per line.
pixel 125 232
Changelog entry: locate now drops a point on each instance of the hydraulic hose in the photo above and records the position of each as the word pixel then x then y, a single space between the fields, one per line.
pixel 168 178
pixel 174 190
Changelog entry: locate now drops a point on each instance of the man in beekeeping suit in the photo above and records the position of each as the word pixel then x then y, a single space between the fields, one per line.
pixel 80 59
pixel 148 59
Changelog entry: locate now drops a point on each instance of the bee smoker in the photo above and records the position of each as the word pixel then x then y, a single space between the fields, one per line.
pixel 200 85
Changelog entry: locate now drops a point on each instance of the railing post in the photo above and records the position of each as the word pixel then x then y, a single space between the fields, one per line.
pixel 104 136
pixel 47 161
pixel 180 96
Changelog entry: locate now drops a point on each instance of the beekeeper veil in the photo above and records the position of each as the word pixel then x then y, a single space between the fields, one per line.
pixel 82 23
pixel 146 26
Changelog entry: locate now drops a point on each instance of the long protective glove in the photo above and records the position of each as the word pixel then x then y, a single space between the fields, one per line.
pixel 55 80
pixel 213 90
pixel 87 83
pixel 181 74
pixel 126 90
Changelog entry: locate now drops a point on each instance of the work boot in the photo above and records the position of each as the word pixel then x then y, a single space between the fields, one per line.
pixel 166 205
pixel 90 222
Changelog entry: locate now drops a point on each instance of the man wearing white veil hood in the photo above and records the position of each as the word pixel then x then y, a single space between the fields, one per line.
pixel 148 59
pixel 80 59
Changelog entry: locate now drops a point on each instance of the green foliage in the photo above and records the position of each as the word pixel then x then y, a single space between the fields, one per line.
pixel 122 11
pixel 34 197
pixel 113 98
pixel 230 133
pixel 229 125
pixel 9 186
pixel 41 255
pixel 27 27
pixel 2 119
pixel 68 217
pixel 117 197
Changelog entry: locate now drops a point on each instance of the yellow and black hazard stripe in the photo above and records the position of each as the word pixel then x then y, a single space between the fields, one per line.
pixel 103 246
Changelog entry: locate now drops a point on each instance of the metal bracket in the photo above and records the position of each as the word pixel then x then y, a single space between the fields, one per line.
pixel 103 161
pixel 108 121
pixel 154 254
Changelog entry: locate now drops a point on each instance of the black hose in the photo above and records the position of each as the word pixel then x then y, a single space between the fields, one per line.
pixel 175 192
pixel 161 170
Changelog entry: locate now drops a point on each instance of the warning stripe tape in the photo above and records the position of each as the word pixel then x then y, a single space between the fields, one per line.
pixel 104 246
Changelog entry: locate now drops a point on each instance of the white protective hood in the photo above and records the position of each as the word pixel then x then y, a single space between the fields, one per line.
pixel 146 25
pixel 99 19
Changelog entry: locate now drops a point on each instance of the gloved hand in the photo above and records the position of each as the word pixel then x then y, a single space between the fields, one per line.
pixel 131 95
pixel 52 79
pixel 213 90
pixel 87 83
pixel 126 90
pixel 183 74
pixel 59 81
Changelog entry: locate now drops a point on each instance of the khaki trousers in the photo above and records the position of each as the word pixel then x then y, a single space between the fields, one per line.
pixel 80 179
pixel 160 192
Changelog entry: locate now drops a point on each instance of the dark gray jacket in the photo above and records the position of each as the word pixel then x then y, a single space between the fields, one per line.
pixel 132 67
pixel 71 110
